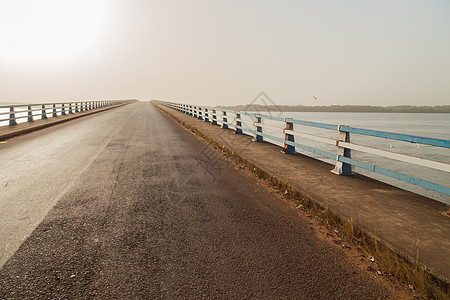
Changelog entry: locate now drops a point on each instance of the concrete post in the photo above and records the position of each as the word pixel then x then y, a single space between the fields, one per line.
pixel 206 115
pixel 63 111
pixel 258 128
pixel 342 168
pixel 30 114
pixel 12 116
pixel 44 113
pixel 238 123
pixel 54 110
pixel 288 149
pixel 214 117
pixel 225 120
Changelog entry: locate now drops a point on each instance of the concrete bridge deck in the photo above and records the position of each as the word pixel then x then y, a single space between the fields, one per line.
pixel 127 204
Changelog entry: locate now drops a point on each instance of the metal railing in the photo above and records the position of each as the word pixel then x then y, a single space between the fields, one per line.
pixel 31 112
pixel 229 119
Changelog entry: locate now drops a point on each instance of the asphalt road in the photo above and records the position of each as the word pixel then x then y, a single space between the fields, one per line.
pixel 127 204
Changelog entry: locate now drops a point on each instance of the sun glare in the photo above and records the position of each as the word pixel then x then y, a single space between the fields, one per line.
pixel 47 30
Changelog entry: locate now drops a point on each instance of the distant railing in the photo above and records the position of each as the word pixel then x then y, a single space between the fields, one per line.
pixel 343 160
pixel 32 112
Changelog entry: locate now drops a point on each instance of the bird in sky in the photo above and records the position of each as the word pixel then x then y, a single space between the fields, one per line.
pixel 315 98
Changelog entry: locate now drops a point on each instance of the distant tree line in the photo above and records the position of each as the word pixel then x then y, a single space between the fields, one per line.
pixel 342 108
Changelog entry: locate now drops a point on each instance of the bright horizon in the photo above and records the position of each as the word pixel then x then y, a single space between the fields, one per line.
pixel 226 52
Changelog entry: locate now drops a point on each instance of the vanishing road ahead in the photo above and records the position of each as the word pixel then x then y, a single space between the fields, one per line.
pixel 127 204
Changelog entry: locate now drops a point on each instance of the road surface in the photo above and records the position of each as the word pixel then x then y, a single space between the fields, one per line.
pixel 127 204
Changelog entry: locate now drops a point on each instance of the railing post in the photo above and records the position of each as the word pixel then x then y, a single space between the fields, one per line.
pixel 190 110
pixel 63 111
pixel 195 112
pixel 70 108
pixel 258 128
pixel 76 107
pixel 238 123
pixel 214 117
pixel 342 168
pixel 54 110
pixel 12 116
pixel 206 115
pixel 30 114
pixel 200 114
pixel 44 112
pixel 224 120
pixel 288 149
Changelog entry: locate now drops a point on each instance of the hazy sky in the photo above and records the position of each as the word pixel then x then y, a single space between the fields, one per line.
pixel 226 52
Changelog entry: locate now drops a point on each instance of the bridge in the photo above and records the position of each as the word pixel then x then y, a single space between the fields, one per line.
pixel 126 203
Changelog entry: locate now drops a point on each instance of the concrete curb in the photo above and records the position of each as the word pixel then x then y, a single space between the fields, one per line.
pixel 24 128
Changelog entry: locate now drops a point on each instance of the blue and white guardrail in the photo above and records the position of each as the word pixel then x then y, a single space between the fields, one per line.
pixel 343 159
pixel 13 114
